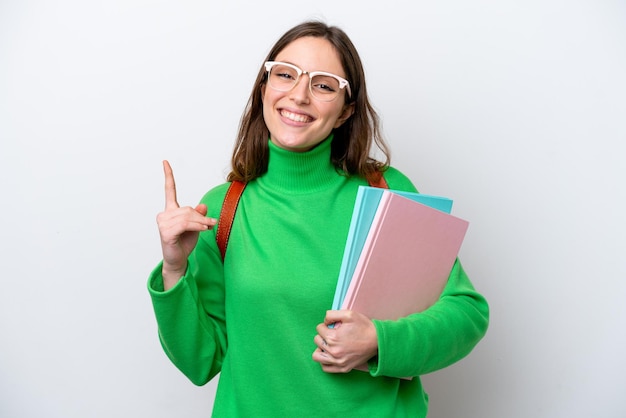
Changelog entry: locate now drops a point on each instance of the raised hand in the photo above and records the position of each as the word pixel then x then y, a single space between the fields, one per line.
pixel 179 228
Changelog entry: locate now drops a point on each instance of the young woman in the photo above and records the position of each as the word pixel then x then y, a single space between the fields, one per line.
pixel 261 316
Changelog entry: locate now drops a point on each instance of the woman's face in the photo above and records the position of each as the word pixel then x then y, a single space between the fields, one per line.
pixel 296 120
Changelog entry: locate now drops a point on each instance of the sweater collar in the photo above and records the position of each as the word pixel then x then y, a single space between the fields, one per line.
pixel 299 172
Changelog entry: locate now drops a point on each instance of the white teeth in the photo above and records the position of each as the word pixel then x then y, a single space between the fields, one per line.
pixel 295 116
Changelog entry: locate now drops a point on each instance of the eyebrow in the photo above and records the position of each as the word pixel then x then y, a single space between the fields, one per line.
pixel 300 67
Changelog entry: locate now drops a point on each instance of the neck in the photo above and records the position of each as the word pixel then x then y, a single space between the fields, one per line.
pixel 299 172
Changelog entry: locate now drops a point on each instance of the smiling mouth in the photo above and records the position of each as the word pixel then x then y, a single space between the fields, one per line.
pixel 296 117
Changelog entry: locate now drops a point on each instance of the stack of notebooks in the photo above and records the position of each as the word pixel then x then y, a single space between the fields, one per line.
pixel 400 250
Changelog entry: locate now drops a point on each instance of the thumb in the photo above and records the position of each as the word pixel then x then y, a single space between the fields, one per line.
pixel 335 317
pixel 202 209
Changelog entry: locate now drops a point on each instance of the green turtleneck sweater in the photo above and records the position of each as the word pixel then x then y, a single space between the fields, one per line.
pixel 253 317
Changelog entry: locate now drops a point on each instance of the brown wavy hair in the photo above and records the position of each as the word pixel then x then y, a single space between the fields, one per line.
pixel 352 141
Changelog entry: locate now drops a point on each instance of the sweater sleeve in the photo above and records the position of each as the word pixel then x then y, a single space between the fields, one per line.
pixel 191 315
pixel 435 338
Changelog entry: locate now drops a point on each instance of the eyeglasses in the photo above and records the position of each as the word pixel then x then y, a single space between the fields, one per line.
pixel 322 85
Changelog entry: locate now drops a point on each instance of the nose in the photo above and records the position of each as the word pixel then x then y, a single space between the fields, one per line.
pixel 300 92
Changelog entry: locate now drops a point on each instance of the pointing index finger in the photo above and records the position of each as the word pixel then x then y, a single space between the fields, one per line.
pixel 170 187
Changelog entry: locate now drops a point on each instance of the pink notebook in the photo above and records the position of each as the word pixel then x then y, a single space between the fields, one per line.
pixel 406 260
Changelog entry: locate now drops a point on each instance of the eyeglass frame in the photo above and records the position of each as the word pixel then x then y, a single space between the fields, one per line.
pixel 343 83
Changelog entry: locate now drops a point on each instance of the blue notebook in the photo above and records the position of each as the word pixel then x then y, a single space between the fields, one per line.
pixel 365 206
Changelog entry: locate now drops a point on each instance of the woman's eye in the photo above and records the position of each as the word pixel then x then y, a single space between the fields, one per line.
pixel 325 84
pixel 285 75
pixel 324 87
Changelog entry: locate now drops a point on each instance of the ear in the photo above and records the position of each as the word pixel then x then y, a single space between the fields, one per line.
pixel 347 111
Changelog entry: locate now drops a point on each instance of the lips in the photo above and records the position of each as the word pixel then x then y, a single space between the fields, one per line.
pixel 296 117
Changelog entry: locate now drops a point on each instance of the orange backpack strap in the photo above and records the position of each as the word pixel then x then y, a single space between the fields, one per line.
pixel 378 180
pixel 231 201
pixel 227 215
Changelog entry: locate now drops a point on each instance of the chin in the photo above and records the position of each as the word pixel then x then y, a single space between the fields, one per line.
pixel 295 145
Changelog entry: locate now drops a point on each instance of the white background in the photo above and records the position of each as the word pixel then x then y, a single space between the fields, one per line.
pixel 515 109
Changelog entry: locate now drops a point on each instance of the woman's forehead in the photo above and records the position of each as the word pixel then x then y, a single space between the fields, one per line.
pixel 312 54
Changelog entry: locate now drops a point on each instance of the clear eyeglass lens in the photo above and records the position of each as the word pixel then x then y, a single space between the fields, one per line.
pixel 323 87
